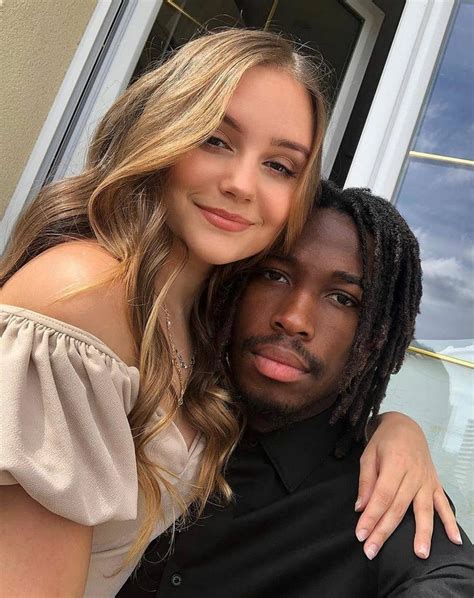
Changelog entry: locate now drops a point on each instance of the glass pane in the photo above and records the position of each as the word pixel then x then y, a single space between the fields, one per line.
pixel 172 28
pixel 438 202
pixel 450 108
pixel 437 199
pixel 317 24
pixel 438 395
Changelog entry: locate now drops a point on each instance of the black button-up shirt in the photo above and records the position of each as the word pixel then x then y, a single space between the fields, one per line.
pixel 290 533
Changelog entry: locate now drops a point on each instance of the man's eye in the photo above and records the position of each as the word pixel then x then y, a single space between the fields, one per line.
pixel 343 299
pixel 216 142
pixel 274 276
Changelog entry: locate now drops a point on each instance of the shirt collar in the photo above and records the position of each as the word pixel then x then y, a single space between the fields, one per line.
pixel 295 451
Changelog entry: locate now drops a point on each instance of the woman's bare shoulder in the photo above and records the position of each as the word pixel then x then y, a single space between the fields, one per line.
pixel 47 283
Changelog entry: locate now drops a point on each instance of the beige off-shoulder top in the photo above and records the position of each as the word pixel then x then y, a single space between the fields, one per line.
pixel 65 437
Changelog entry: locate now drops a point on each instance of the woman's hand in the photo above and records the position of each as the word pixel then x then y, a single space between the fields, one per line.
pixel 395 470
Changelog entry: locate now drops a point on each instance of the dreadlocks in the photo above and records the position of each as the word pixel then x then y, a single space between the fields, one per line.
pixel 391 284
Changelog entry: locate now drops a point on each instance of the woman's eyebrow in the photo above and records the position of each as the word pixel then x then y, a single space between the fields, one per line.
pixel 228 120
pixel 292 145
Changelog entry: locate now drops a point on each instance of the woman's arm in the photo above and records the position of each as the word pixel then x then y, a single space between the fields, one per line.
pixel 42 554
pixel 395 470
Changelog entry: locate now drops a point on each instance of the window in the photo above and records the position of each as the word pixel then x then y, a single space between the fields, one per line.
pixel 436 193
pixel 417 149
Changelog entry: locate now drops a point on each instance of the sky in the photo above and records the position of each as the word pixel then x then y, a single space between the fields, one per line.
pixel 437 199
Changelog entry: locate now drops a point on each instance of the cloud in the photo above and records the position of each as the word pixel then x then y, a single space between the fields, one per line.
pixel 443 267
pixel 448 298
pixel 457 175
pixel 448 280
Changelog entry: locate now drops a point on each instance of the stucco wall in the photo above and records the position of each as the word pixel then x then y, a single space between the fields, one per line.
pixel 37 42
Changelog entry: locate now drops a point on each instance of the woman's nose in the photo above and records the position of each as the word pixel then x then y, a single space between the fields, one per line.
pixel 239 181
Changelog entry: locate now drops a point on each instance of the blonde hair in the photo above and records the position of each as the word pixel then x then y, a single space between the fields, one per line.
pixel 117 201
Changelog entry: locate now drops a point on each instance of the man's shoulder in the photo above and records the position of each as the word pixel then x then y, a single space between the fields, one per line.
pixel 448 571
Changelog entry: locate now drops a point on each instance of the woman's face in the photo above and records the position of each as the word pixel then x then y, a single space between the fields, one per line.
pixel 229 198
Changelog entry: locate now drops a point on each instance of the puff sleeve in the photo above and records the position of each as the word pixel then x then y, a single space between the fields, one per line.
pixel 65 437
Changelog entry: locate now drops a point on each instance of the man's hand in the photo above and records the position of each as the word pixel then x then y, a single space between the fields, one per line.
pixel 395 470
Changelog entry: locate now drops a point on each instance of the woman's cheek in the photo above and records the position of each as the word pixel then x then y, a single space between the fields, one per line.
pixel 278 211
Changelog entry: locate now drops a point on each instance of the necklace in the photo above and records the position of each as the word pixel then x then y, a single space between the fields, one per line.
pixel 176 357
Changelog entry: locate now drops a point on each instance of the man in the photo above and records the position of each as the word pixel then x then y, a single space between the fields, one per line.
pixel 315 337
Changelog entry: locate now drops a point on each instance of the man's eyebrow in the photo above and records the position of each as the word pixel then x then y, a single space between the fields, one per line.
pixel 349 278
pixel 292 145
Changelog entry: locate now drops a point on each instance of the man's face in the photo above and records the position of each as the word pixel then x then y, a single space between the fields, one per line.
pixel 296 323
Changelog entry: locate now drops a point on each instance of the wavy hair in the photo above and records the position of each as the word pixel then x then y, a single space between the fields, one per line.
pixel 117 201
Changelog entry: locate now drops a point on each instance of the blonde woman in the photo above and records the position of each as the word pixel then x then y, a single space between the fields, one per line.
pixel 107 377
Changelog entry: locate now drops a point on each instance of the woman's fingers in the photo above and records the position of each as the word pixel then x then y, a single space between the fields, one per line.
pixel 367 479
pixel 424 513
pixel 425 501
pixel 391 518
pixel 446 514
pixel 382 499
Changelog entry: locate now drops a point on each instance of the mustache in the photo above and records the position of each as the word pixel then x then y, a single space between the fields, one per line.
pixel 314 364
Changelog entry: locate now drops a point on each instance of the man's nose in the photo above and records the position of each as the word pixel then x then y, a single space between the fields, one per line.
pixel 295 316
pixel 239 181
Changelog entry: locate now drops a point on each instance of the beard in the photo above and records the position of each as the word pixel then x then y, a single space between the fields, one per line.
pixel 264 412
pixel 266 415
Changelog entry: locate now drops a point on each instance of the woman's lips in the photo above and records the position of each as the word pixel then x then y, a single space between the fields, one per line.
pixel 279 364
pixel 225 220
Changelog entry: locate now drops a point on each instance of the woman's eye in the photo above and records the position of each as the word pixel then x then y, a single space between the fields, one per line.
pixel 216 142
pixel 274 276
pixel 280 168
pixel 344 299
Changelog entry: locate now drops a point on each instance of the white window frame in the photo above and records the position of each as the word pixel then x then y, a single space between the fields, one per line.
pixel 400 95
pixel 373 17
pixel 113 78
pixel 132 31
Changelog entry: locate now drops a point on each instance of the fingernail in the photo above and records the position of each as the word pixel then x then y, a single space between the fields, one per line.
pixel 358 505
pixel 362 534
pixel 423 551
pixel 458 539
pixel 371 551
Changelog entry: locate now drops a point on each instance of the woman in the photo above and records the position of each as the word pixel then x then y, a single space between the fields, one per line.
pixel 207 160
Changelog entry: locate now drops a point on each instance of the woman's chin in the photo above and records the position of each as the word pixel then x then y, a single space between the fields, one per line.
pixel 223 253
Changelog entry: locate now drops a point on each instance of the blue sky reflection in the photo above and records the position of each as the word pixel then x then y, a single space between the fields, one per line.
pixel 447 126
pixel 437 201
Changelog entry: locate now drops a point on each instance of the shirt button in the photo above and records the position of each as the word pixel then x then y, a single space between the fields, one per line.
pixel 176 580
pixel 253 443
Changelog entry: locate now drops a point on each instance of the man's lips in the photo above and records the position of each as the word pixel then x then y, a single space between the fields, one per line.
pixel 279 363
pixel 225 220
